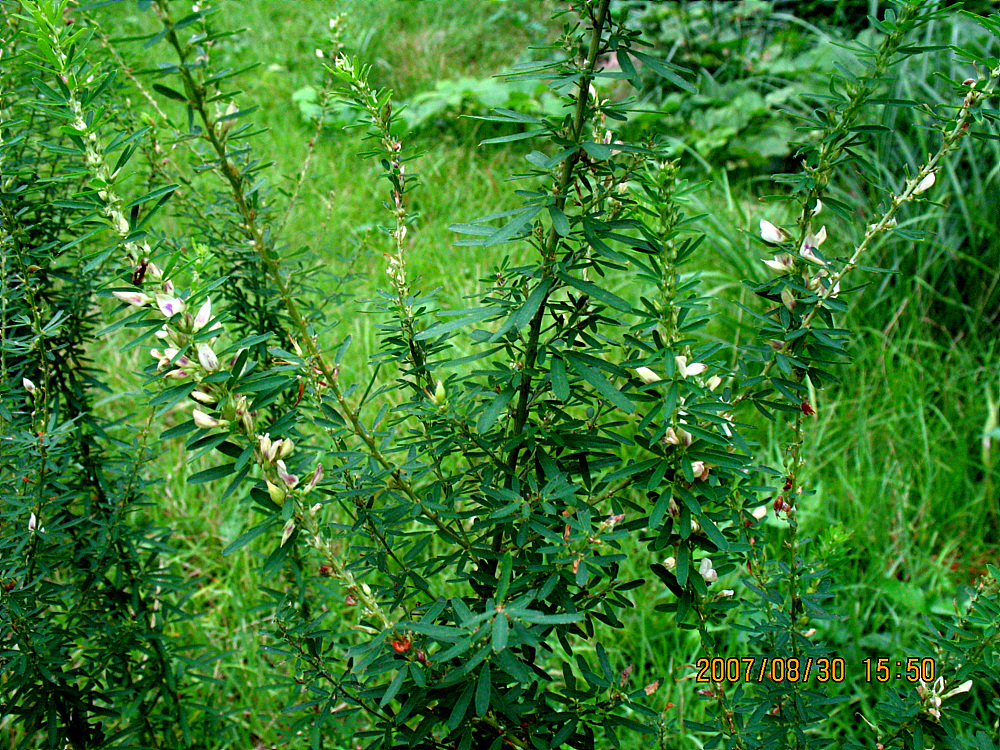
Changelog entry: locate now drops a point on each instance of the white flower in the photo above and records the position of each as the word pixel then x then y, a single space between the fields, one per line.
pixel 205 421
pixel 137 299
pixel 781 263
pixel 32 522
pixel 770 233
pixel 727 592
pixel 963 688
pixel 28 386
pixel 713 382
pixel 818 207
pixel 925 184
pixel 646 375
pixel 207 357
pixel 205 398
pixel 706 571
pixel 168 305
pixel 685 369
pixel 319 53
pixel 670 563
pixel 203 316
pixel 760 513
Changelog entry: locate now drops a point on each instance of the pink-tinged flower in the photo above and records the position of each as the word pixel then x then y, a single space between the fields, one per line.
pixel 287 532
pixel 810 243
pixel 781 263
pixel 178 374
pixel 284 447
pixel 706 571
pixel 685 369
pixel 207 422
pixel 136 299
pixel 268 450
pixel 316 478
pixel 700 469
pixel 207 357
pixel 203 316
pixel 290 480
pixel 168 305
pixel 770 233
pixel 646 375
pixel 168 287
pixel 28 386
pixel 678 436
pixel 925 184
pixel 727 592
pixel 651 688
pixel 788 298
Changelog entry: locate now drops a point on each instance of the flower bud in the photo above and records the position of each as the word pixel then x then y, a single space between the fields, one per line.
pixel 204 398
pixel 646 375
pixel 207 422
pixel 207 357
pixel 760 513
pixel 276 493
pixel 713 382
pixel 287 532
pixel 439 395
pixel 285 448
pixel 203 316
pixel 788 298
pixel 137 299
pixel 28 386
pixel 925 184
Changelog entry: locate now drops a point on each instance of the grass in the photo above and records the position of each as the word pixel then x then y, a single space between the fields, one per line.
pixel 905 506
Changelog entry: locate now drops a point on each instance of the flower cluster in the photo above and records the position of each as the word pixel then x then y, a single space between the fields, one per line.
pixel 931 696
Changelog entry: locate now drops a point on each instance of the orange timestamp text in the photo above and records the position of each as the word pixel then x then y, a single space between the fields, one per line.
pixel 768 669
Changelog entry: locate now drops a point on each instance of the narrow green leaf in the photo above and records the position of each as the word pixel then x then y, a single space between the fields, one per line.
pixel 394 686
pixel 560 383
pixel 169 93
pixel 483 691
pixel 601 384
pixel 597 292
pixel 501 630
pixel 493 410
pixel 666 70
pixel 452 325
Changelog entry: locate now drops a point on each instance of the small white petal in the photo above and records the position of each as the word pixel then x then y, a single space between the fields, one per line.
pixel 670 563
pixel 32 522
pixel 28 385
